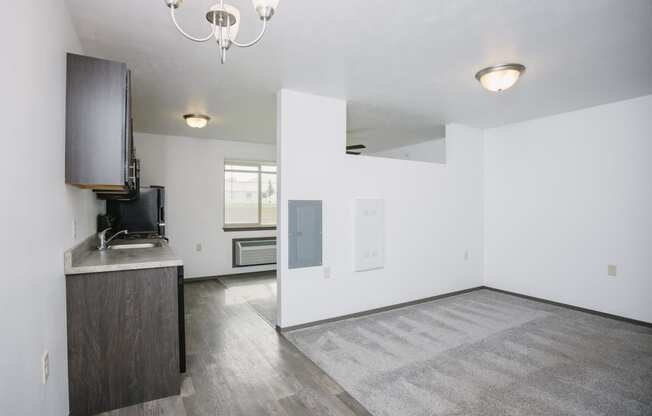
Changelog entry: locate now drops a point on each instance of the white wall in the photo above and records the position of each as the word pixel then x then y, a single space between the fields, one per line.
pixel 38 209
pixel 433 214
pixel 192 171
pixel 567 195
pixel 433 151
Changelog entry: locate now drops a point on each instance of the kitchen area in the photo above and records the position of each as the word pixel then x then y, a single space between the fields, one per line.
pixel 128 333
pixel 124 285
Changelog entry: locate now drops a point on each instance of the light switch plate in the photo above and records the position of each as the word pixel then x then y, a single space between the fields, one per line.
pixel 612 270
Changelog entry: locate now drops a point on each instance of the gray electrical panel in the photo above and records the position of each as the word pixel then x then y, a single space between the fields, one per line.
pixel 304 234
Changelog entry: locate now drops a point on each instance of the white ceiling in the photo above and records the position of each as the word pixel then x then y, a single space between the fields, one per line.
pixel 405 67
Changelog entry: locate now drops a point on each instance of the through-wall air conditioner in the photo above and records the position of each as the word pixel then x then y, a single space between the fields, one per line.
pixel 254 251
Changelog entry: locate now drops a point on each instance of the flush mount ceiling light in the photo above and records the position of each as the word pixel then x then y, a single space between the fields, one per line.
pixel 499 77
pixel 225 23
pixel 196 121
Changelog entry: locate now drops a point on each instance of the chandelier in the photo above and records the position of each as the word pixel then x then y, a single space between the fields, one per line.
pixel 225 23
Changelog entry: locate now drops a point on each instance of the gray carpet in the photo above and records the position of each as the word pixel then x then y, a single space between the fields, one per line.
pixel 486 353
pixel 258 290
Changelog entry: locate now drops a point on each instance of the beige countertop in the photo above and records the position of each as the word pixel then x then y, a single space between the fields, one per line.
pixel 86 258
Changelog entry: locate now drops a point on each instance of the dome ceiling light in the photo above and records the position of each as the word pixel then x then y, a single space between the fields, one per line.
pixel 196 121
pixel 225 23
pixel 499 77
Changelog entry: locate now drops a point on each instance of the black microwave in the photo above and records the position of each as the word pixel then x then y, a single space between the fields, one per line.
pixel 143 216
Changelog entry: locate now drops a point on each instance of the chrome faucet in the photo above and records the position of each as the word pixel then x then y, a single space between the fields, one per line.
pixel 104 242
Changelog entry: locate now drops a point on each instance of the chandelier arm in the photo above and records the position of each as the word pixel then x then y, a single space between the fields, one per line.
pixel 255 41
pixel 174 19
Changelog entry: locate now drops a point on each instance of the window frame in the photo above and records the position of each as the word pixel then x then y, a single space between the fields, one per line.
pixel 259 165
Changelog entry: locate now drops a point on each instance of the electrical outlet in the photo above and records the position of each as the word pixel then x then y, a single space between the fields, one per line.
pixel 74 229
pixel 327 272
pixel 612 270
pixel 466 255
pixel 45 367
pixel 198 247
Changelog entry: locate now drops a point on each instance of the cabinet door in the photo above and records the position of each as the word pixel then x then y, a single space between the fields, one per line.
pixel 123 338
pixel 96 121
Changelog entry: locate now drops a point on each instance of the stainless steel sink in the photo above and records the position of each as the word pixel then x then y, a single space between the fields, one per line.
pixel 129 246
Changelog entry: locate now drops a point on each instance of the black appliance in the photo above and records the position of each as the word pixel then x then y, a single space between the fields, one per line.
pixel 144 216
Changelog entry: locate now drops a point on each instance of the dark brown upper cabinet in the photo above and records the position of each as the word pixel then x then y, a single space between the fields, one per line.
pixel 99 138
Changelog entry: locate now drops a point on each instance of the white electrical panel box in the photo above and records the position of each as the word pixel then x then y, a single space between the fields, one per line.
pixel 369 234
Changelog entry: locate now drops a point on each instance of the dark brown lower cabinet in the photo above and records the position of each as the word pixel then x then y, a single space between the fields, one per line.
pixel 123 338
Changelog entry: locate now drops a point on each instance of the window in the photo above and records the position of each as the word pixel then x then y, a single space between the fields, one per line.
pixel 249 194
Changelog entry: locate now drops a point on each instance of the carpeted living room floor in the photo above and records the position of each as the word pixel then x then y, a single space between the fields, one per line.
pixel 486 353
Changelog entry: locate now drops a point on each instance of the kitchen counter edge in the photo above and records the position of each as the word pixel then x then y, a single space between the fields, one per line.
pixel 85 259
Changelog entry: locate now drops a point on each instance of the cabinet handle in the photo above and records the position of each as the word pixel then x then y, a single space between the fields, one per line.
pixel 133 172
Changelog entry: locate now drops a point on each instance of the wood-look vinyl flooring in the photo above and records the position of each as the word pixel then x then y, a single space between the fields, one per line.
pixel 238 365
